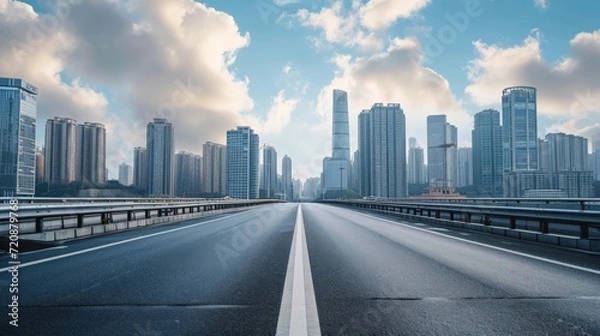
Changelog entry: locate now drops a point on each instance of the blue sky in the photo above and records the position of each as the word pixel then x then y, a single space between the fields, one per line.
pixel 212 65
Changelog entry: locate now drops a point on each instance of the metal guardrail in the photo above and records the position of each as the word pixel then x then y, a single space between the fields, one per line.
pixel 583 219
pixel 70 200
pixel 23 213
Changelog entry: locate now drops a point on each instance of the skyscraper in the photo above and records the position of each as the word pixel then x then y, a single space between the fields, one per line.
pixel 140 168
pixel 341 128
pixel 18 111
pixel 242 163
pixel 185 179
pixel 213 168
pixel 286 178
pixel 364 152
pixel 39 165
pixel 61 150
pixel 125 174
pixel 269 172
pixel 160 146
pixel 416 162
pixel 336 168
pixel 487 154
pixel 465 167
pixel 441 151
pixel 386 148
pixel 91 157
pixel 519 129
pixel 596 160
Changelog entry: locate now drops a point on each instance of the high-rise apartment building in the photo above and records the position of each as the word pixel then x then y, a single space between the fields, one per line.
pixel 188 173
pixel 465 167
pixel 242 163
pixel 310 189
pixel 487 154
pixel 160 147
pixel 384 146
pixel 442 160
pixel 269 172
pixel 336 168
pixel 519 129
pixel 18 112
pixel 416 162
pixel 91 152
pixel 286 178
pixel 125 174
pixel 140 168
pixel 61 155
pixel 214 168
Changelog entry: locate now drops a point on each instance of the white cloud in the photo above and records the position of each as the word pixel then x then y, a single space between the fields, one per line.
pixel 360 25
pixel 541 3
pixel 285 2
pixel 278 117
pixel 378 14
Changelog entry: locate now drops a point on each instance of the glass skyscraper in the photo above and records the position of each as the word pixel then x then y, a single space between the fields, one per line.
pixel 487 153
pixel 18 108
pixel 160 147
pixel 242 163
pixel 519 129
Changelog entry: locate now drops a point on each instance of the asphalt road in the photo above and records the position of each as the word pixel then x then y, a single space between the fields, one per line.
pixel 348 273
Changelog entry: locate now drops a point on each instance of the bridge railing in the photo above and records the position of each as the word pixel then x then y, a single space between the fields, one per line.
pixel 39 218
pixel 581 220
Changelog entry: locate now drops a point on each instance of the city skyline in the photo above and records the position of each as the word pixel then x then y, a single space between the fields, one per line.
pixel 214 86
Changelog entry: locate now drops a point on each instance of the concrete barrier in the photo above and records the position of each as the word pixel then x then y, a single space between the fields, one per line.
pixel 99 229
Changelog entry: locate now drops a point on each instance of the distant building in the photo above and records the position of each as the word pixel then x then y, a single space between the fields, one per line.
pixel 565 158
pixel 39 165
pixel 61 151
pixel 334 178
pixel 187 174
pixel 213 168
pixel 597 160
pixel 91 154
pixel 416 163
pixel 18 112
pixel 296 189
pixel 160 146
pixel 384 145
pixel 125 174
pixel 310 189
pixel 465 167
pixel 140 168
pixel 286 178
pixel 242 163
pixel 269 172
pixel 442 142
pixel 487 154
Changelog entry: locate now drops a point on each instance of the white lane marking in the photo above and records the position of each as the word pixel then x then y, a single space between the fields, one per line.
pixel 41 261
pixel 439 229
pixel 530 256
pixel 298 312
pixel 464 234
pixel 44 250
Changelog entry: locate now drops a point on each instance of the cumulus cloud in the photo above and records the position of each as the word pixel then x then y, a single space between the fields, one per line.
pixel 278 117
pixel 358 26
pixel 378 14
pixel 151 59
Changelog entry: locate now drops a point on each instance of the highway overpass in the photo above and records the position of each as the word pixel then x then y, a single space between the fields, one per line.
pixel 302 269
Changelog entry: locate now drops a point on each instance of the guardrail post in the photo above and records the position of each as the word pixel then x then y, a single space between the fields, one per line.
pixel 584 231
pixel 104 218
pixel 513 223
pixel 544 226
pixel 437 214
pixel 129 215
pixel 451 215
pixel 39 224
pixel 486 220
pixel 80 221
pixel 147 213
pixel 467 217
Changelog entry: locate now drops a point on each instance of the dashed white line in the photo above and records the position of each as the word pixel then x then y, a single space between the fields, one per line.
pixel 298 312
